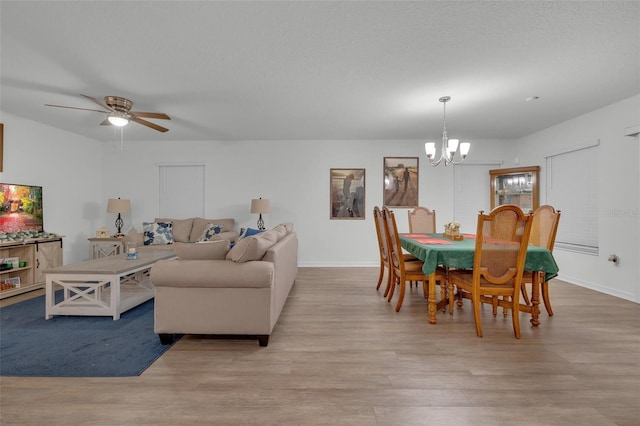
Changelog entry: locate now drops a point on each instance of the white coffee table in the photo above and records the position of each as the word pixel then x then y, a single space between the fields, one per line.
pixel 107 286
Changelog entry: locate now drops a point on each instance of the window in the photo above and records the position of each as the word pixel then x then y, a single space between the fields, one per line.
pixel 572 187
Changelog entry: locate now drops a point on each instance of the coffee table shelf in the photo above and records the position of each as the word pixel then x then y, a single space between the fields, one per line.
pixel 107 286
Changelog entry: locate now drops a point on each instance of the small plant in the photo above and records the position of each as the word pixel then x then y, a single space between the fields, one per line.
pixel 453 226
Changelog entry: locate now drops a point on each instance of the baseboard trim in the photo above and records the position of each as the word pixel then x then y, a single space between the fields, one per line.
pixel 599 288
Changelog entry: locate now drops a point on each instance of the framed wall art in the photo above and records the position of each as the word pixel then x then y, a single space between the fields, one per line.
pixel 400 182
pixel 1 146
pixel 13 282
pixel 347 189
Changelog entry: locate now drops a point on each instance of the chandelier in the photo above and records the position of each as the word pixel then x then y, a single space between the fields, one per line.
pixel 449 146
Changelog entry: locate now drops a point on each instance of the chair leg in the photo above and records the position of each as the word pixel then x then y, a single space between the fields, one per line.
pixel 452 297
pixel 525 296
pixel 400 295
pixel 545 297
pixel 504 308
pixel 392 288
pixel 389 282
pixel 382 268
pixel 515 316
pixel 475 299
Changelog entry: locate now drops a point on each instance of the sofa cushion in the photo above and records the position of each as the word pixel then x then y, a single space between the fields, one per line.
pixel 133 238
pixel 199 224
pixel 226 235
pixel 281 230
pixel 247 232
pixel 181 228
pixel 209 231
pixel 209 250
pixel 253 247
pixel 157 233
pixel 288 226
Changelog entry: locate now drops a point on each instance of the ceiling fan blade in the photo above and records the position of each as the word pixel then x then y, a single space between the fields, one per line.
pixel 97 102
pixel 149 124
pixel 83 109
pixel 158 115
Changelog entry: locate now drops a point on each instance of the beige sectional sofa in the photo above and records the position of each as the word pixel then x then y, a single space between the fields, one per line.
pixel 212 290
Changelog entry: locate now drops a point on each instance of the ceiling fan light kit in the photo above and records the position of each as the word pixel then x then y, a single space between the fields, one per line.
pixel 118 119
pixel 120 114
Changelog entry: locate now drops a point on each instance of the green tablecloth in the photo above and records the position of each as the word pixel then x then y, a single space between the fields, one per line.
pixel 460 255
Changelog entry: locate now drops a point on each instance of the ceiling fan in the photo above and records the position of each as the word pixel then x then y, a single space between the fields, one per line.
pixel 119 110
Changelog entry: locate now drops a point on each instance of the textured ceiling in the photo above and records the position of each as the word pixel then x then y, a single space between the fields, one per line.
pixel 318 70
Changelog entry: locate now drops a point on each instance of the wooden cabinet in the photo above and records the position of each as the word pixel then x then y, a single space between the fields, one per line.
pixel 35 256
pixel 48 255
pixel 518 185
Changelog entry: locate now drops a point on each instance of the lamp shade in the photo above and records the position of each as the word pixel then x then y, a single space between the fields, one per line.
pixel 260 205
pixel 117 205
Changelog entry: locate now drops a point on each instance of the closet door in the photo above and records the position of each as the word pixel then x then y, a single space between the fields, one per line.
pixel 181 191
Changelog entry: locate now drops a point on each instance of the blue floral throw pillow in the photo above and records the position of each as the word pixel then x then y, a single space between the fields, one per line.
pixel 209 231
pixel 158 233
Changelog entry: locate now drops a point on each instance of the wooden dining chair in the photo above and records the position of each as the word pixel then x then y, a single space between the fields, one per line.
pixel 502 238
pixel 543 234
pixel 404 271
pixel 422 220
pixel 383 246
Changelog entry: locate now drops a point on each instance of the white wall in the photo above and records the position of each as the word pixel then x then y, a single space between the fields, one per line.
pixel 294 175
pixel 79 175
pixel 68 167
pixel 618 195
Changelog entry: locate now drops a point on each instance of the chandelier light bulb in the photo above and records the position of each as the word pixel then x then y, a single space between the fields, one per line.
pixel 453 145
pixel 430 149
pixel 464 149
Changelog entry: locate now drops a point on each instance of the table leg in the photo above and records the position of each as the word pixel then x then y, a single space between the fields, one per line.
pixel 433 303
pixel 49 298
pixel 535 299
pixel 115 296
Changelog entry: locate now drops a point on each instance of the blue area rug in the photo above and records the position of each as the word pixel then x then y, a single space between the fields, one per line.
pixel 76 346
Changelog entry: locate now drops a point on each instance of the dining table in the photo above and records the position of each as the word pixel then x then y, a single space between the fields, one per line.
pixel 436 250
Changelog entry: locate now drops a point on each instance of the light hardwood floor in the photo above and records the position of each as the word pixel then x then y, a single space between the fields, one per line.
pixel 341 355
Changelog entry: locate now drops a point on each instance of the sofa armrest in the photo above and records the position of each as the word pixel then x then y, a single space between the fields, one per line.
pixel 284 255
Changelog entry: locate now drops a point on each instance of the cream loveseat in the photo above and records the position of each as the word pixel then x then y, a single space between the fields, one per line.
pixel 212 290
